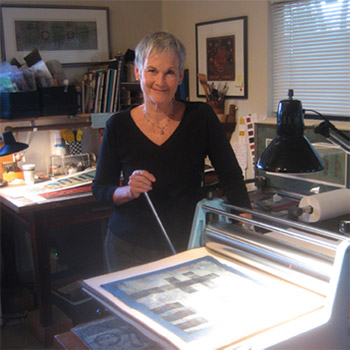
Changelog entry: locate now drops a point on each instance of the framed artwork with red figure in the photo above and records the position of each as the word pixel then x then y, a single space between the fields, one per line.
pixel 221 55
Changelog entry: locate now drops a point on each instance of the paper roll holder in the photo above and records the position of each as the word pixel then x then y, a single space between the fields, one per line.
pixel 295 212
pixel 344 227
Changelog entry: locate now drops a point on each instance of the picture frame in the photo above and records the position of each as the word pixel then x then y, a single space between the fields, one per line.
pixel 221 54
pixel 85 29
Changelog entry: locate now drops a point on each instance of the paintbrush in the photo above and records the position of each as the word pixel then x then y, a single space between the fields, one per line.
pixel 204 83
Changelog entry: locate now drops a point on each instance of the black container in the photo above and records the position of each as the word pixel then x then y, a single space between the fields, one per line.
pixel 16 105
pixel 59 100
pixel 77 305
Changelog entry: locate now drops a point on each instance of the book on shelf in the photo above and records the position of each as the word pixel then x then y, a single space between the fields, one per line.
pixel 89 87
pixel 97 99
pixel 106 90
pixel 117 88
pixel 114 83
pixel 83 98
pixel 112 79
pixel 102 89
pixel 96 90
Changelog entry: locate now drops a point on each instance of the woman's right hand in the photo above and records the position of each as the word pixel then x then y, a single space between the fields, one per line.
pixel 140 181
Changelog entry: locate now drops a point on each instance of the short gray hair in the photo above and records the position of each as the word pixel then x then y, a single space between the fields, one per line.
pixel 160 42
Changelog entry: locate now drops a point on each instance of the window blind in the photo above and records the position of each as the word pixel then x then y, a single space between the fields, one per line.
pixel 311 54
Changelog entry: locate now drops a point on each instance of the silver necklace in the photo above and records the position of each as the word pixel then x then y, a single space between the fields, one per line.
pixel 161 128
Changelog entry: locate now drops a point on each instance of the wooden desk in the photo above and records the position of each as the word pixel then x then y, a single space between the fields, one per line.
pixel 39 218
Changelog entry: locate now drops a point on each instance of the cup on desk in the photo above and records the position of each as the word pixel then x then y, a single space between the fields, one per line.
pixel 29 173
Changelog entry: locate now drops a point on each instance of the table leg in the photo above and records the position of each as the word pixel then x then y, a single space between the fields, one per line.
pixel 41 255
pixel 47 321
pixel 9 276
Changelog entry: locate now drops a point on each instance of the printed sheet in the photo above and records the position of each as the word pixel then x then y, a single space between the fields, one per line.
pixel 206 303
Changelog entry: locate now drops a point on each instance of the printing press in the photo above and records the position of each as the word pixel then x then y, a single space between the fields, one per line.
pixel 259 283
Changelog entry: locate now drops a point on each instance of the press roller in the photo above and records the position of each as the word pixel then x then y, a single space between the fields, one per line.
pixel 297 253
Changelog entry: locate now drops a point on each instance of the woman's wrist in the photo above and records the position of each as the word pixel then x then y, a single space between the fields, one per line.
pixel 123 195
pixel 130 194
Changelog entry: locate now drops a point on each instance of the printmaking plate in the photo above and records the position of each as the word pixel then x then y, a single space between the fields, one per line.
pixel 206 303
pixel 112 333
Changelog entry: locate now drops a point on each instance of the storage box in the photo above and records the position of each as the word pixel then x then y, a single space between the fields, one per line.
pixel 76 304
pixel 59 100
pixel 44 102
pixel 16 105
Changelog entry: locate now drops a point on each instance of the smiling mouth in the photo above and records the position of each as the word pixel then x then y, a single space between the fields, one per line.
pixel 160 90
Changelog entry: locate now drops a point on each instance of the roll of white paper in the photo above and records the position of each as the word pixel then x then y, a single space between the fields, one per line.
pixel 326 205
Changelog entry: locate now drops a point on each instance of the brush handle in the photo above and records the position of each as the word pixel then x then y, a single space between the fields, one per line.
pixel 160 223
pixel 205 88
pixel 204 82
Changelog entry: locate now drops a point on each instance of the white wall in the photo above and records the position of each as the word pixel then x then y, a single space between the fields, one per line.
pixel 180 17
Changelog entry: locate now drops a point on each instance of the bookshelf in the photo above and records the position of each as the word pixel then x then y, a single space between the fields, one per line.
pixel 100 88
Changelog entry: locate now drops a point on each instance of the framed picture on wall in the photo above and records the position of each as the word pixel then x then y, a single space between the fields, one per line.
pixel 70 34
pixel 221 55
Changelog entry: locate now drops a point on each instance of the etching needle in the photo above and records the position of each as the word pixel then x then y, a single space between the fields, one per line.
pixel 160 223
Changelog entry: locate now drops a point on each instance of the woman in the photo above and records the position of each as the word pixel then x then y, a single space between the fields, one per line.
pixel 159 147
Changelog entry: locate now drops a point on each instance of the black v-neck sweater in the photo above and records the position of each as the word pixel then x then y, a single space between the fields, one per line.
pixel 178 167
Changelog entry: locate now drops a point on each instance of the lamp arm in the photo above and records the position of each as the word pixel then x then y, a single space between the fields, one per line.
pixel 324 127
pixel 329 131
pixel 338 141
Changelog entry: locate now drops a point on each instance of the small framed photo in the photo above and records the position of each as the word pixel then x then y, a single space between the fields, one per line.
pixel 9 167
pixel 221 53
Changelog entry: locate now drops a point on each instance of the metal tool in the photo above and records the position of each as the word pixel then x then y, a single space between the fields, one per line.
pixel 160 223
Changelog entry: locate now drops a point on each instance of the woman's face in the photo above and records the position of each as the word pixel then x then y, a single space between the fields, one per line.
pixel 160 77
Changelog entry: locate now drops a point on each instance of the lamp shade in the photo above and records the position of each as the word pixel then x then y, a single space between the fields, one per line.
pixel 11 145
pixel 290 151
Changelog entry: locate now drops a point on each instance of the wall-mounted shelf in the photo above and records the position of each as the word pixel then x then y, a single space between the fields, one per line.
pixel 77 121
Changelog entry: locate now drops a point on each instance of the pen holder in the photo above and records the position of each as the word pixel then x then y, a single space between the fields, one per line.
pixel 218 106
pixel 74 147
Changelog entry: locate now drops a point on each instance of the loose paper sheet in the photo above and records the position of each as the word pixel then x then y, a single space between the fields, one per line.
pixel 241 151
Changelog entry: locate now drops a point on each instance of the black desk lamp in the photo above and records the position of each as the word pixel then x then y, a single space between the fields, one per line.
pixel 290 151
pixel 11 146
